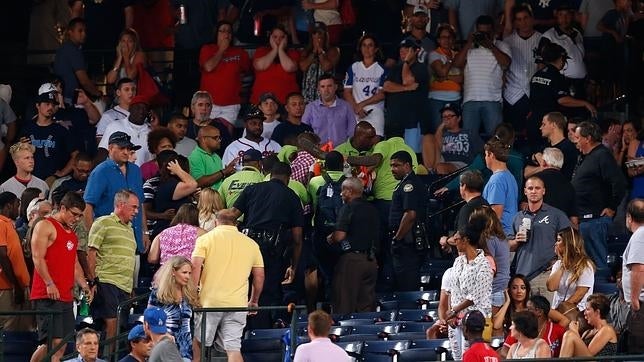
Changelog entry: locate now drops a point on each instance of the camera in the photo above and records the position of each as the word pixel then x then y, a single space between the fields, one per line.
pixel 478 38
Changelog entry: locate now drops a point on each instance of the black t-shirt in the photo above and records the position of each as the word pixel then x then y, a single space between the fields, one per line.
pixel 53 147
pixel 546 87
pixel 410 194
pixel 269 205
pixel 163 201
pixel 463 216
pixel 570 154
pixel 128 358
pixel 361 221
pixel 84 134
pixel 410 107
pixel 286 129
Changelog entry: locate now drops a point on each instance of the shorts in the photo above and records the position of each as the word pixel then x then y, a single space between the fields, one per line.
pixel 63 323
pixel 108 297
pixel 497 299
pixel 229 113
pixel 224 329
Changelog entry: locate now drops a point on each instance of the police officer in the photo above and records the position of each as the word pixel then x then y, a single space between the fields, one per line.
pixel 407 223
pixel 249 174
pixel 549 92
pixel 270 210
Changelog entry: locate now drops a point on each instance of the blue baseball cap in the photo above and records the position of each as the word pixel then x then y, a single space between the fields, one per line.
pixel 136 333
pixel 155 318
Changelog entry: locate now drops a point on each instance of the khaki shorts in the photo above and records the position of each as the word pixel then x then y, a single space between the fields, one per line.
pixel 224 329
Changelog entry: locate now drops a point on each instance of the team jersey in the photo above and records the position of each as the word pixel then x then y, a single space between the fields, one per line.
pixel 365 82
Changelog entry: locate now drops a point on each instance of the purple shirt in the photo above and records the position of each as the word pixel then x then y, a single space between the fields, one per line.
pixel 320 349
pixel 335 123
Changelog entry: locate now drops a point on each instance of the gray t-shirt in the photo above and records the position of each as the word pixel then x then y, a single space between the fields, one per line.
pixel 165 351
pixel 634 254
pixel 469 10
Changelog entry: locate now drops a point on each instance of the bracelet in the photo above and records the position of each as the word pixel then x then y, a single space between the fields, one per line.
pixel 49 283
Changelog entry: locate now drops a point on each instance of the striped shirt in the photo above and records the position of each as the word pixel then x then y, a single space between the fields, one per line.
pixel 116 248
pixel 483 74
pixel 522 68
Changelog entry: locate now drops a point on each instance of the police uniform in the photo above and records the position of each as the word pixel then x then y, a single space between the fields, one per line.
pixel 270 209
pixel 546 87
pixel 409 253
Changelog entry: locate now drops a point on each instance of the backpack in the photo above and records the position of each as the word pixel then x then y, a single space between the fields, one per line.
pixel 329 204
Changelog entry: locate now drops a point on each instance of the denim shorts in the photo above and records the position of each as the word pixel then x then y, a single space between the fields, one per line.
pixel 497 299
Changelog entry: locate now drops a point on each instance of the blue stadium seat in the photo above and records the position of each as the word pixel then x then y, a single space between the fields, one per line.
pixel 379 350
pixel 353 349
pixel 262 350
pixel 383 316
pixel 406 336
pixel 341 331
pixel 414 327
pixel 388 305
pixel 429 295
pixel 416 355
pixel 356 322
pixel 376 329
pixel 429 343
pixel 604 287
pixel 417 315
pixel 276 333
pixel 354 337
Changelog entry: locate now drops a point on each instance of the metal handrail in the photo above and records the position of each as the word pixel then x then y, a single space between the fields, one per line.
pixel 118 335
pixel 50 316
pixel 290 308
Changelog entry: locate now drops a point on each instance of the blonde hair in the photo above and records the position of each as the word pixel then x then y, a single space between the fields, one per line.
pixel 166 284
pixel 209 203
pixel 574 258
pixel 21 146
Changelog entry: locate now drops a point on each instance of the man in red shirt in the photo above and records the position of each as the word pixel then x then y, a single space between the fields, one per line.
pixel 479 351
pixel 54 246
pixel 550 332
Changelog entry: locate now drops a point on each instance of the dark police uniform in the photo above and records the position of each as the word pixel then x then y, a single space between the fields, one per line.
pixel 409 253
pixel 546 87
pixel 270 209
pixel 356 271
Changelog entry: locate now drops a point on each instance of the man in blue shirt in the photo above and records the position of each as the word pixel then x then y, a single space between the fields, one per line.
pixel 501 191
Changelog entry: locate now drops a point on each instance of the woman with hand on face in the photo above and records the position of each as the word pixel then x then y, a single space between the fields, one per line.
pixel 316 59
pixel 128 56
pixel 175 293
pixel 601 340
pixel 516 298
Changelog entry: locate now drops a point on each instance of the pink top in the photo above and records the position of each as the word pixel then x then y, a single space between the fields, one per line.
pixel 177 240
pixel 320 349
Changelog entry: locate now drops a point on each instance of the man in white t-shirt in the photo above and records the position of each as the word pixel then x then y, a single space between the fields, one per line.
pixel 484 60
pixel 633 275
pixel 125 91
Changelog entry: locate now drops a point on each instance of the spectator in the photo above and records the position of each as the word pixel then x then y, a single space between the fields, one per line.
pixel 23 157
pixel 553 128
pixel 87 346
pixel 205 164
pixel 501 189
pixel 457 146
pixel 614 26
pixel 46 23
pixel 599 188
pixel 176 187
pixel 178 125
pixel 573 275
pixel 326 12
pixel 522 42
pixel 619 307
pixel 599 341
pixel 636 151
pixel 129 57
pixel 479 351
pixel 228 258
pixel 330 117
pixel 472 285
pixel 320 348
pixel 56 271
pixel 275 67
pixel 407 83
pixel 53 144
pixel 516 298
pixel 436 12
pixel 139 345
pixel 77 181
pixel 463 13
pixel 525 330
pixel 201 108
pixel 176 294
pixel 15 278
pixel 589 15
pixel 445 87
pixel 535 229
pixel 317 58
pixel 361 143
pixel 561 194
pixel 630 130
pixel 209 204
pixel 8 126
pixel 303 162
pixel 292 125
pixel 253 139
pixel 159 140
pixel 26 197
pixel 570 39
pixel 179 238
pixel 150 189
pixel 543 13
pixel 111 257
pixel 363 83
pixel 357 232
pixel 269 105
pixel 222 67
pixel 484 60
pixel 70 65
pixel 418 32
pixel 111 176
pixel 470 189
pixel 632 268
pixel 164 347
pixel 136 126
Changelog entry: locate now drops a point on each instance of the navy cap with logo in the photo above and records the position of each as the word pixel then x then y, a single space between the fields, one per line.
pixel 122 139
pixel 251 155
pixel 254 113
pixel 49 97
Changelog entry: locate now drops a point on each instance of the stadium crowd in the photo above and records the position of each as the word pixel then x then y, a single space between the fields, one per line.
pixel 291 189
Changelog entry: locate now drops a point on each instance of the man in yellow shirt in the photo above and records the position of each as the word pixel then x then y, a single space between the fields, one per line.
pixel 228 257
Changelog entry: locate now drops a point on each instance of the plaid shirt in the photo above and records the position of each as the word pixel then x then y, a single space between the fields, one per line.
pixel 300 167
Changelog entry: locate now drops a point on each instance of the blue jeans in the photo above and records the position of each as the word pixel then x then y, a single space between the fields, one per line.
pixel 595 232
pixel 475 113
pixel 413 138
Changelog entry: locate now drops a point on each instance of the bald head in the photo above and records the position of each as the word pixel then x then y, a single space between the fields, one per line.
pixel 635 214
pixel 364 136
pixel 209 138
pixel 226 217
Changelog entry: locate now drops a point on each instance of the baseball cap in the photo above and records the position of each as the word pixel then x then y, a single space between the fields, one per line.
pixel 47 97
pixel 268 95
pixel 122 139
pixel 420 9
pixel 46 88
pixel 254 113
pixel 451 107
pixel 565 5
pixel 251 155
pixel 408 43
pixel 474 321
pixel 155 318
pixel 136 333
